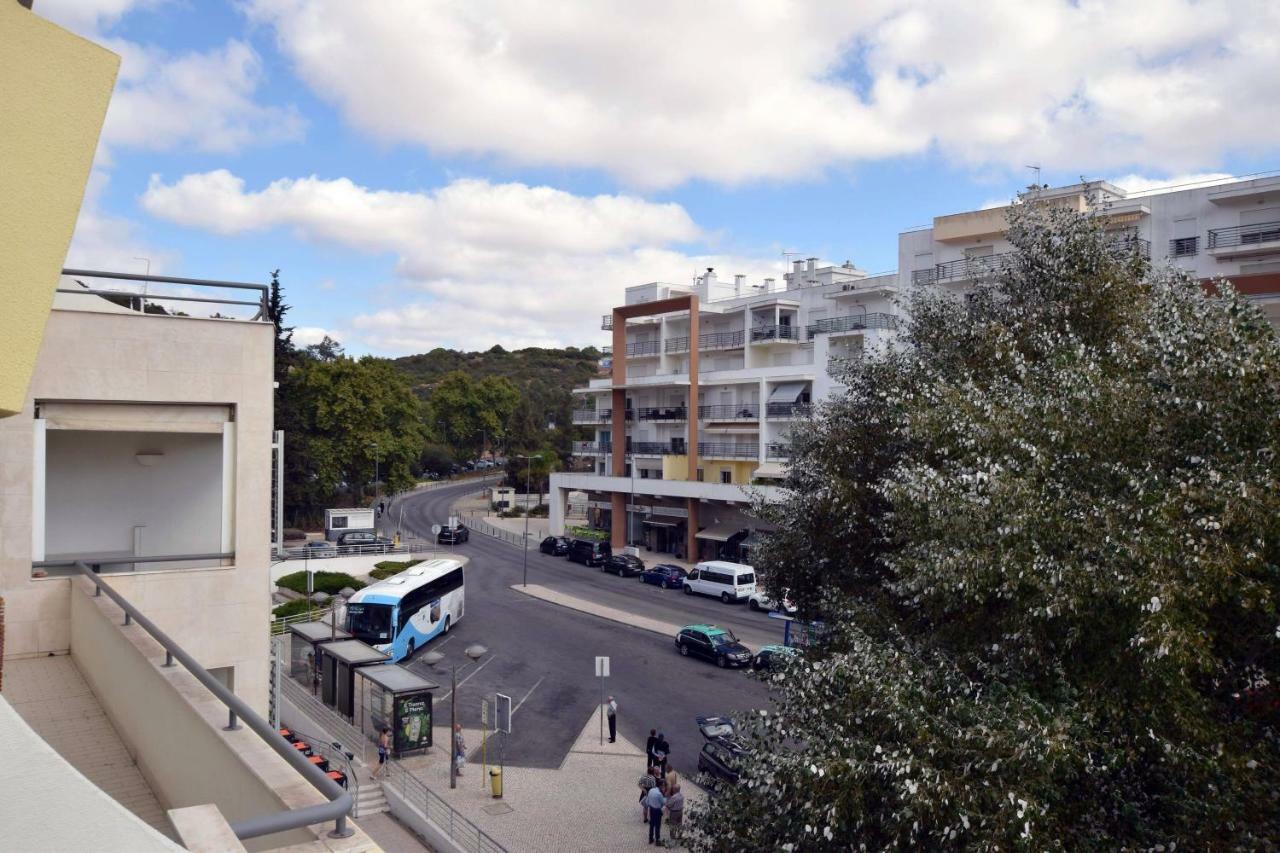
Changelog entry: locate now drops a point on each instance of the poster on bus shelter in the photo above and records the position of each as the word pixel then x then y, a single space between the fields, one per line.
pixel 413 713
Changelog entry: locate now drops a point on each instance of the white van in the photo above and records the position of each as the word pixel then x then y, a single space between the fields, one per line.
pixel 726 581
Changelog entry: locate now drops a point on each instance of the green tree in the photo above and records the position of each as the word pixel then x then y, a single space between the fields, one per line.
pixel 465 413
pixel 327 350
pixel 534 471
pixel 1044 535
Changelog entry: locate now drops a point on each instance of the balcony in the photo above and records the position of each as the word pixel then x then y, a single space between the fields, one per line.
pixel 971 269
pixel 924 276
pixel 670 414
pixel 777 451
pixel 716 450
pixel 592 416
pixel 708 341
pixel 1129 245
pixel 641 348
pixel 785 411
pixel 656 448
pixel 730 412
pixel 1259 239
pixel 157 295
pixel 1184 247
pixel 778 333
pixel 853 323
pixel 606 322
pixel 590 448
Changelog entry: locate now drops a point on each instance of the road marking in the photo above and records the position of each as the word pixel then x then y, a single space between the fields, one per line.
pixel 527 695
pixel 465 680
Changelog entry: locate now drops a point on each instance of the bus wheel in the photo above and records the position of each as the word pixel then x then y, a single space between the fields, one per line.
pixel 409 653
pixel 446 625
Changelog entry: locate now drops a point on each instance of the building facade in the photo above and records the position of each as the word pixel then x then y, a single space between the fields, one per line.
pixel 683 438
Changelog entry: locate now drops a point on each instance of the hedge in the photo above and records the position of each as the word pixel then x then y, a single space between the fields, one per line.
pixel 327 582
pixel 293 608
pixel 387 568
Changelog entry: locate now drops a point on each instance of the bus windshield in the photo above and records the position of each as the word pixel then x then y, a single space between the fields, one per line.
pixel 369 623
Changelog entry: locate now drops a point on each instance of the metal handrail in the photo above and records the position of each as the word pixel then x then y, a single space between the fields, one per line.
pixel 720 450
pixel 479 525
pixel 143 298
pixel 305 553
pixel 644 348
pixel 96 562
pixel 460 829
pixel 721 340
pixel 1184 247
pixel 730 411
pixel 588 416
pixel 664 413
pixel 340 801
pixel 776 332
pixel 776 451
pixel 853 322
pixel 329 750
pixel 1244 235
pixel 606 322
pixel 680 344
pixel 787 410
pixel 967 268
pixel 591 447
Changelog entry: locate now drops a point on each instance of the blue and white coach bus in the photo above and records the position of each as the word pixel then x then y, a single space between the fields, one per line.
pixel 403 612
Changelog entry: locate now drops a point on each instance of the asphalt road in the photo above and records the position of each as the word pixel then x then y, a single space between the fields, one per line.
pixel 543 655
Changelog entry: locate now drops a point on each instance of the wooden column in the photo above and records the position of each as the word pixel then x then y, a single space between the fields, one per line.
pixel 691 533
pixel 618 525
pixel 692 472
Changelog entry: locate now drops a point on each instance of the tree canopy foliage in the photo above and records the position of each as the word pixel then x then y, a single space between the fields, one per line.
pixel 1043 535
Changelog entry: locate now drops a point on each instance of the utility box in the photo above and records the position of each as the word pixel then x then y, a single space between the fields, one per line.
pixel 503 497
pixel 354 520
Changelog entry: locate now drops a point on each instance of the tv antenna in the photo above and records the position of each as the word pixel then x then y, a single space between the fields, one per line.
pixel 1035 167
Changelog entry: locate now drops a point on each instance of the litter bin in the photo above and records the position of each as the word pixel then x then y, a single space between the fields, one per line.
pixel 495 781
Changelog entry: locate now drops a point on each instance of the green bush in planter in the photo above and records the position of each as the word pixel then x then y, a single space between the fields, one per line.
pixel 326 582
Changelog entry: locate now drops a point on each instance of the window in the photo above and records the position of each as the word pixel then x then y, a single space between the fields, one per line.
pixel 726 475
pixel 1182 247
pixel 700 475
pixel 644 473
pixel 338 522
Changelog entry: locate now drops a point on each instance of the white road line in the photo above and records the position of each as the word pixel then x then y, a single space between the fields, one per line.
pixel 465 680
pixel 527 695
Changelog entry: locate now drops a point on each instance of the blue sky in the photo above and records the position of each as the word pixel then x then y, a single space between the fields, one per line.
pixel 463 174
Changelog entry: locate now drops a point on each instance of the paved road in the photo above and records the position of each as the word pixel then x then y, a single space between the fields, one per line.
pixel 543 655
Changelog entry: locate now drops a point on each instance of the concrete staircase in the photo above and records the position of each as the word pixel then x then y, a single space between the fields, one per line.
pixel 370 799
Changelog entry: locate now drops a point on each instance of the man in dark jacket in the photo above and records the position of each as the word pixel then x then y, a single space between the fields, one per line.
pixel 648 748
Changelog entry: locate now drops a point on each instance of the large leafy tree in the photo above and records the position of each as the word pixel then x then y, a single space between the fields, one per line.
pixel 1043 534
pixel 467 413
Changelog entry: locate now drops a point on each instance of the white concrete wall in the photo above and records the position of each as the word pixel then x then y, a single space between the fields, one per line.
pixel 96 493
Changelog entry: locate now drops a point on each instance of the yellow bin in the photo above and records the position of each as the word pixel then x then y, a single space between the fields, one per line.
pixel 495 781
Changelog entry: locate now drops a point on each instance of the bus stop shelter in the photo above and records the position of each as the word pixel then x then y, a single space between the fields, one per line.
pixel 338 664
pixel 304 637
pixel 395 698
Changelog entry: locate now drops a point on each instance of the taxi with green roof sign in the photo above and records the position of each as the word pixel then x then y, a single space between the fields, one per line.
pixel 712 643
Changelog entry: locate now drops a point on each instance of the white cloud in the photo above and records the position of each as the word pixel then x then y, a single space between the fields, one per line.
pixel 665 91
pixel 305 336
pixel 88 17
pixel 1143 183
pixel 478 263
pixel 105 242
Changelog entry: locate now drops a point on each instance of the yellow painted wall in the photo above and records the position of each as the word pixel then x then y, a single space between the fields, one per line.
pixel 675 468
pixel 54 90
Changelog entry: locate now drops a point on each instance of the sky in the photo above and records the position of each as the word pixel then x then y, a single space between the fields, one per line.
pixel 464 173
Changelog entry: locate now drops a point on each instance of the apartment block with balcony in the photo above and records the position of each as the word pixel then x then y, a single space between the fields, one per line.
pixel 693 417
pixel 1220 230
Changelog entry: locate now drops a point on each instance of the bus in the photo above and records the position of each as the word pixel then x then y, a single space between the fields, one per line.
pixel 402 613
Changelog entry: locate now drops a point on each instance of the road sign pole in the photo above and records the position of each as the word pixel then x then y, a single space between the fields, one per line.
pixel 602 670
pixel 484 741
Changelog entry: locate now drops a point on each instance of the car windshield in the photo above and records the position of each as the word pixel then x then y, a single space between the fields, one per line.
pixel 723 638
pixel 369 623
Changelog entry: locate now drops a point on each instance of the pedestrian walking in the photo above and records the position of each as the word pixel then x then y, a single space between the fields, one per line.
pixel 648 748
pixel 647 783
pixel 675 812
pixel 655 801
pixel 459 748
pixel 611 711
pixel 384 751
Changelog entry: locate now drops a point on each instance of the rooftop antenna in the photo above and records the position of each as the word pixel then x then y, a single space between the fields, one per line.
pixel 1035 167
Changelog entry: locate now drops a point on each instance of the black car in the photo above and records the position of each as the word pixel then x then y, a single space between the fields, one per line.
pixel 589 552
pixel 452 535
pixel 623 565
pixel 359 538
pixel 556 546
pixel 774 656
pixel 714 644
pixel 664 575
pixel 721 759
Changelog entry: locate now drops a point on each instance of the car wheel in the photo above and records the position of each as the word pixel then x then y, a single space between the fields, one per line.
pixel 641 577
pixel 622 573
pixel 688 590
pixel 752 604
pixel 724 596
pixel 684 650
pixel 409 652
pixel 722 661
pixel 664 585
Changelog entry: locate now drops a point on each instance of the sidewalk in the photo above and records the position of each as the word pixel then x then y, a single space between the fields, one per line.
pixel 589 803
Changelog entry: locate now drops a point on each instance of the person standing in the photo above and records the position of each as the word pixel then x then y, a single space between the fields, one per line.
pixel 675 810
pixel 648 748
pixel 660 750
pixel 611 710
pixel 647 782
pixel 655 801
pixel 459 748
pixel 384 751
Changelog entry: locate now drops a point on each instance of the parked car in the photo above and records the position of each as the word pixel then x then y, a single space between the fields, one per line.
pixel 774 656
pixel 623 565
pixel 453 535
pixel 360 538
pixel 761 600
pixel 589 552
pixel 727 581
pixel 556 546
pixel 721 759
pixel 664 575
pixel 716 727
pixel 318 549
pixel 714 644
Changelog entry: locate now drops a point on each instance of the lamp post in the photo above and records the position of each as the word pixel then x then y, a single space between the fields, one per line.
pixel 376 460
pixel 528 469
pixel 475 652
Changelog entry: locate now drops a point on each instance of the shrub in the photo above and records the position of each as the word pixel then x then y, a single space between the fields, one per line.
pixel 588 533
pixel 539 511
pixel 387 568
pixel 293 533
pixel 327 582
pixel 291 608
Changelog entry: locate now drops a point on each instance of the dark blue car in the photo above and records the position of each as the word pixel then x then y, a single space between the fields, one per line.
pixel 664 575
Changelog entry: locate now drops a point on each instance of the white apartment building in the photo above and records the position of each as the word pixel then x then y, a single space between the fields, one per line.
pixel 681 438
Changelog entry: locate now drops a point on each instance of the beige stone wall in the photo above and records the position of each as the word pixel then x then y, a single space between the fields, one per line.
pixel 220 615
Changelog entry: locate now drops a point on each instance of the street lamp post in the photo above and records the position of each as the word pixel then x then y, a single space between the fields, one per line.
pixel 475 652
pixel 528 469
pixel 376 472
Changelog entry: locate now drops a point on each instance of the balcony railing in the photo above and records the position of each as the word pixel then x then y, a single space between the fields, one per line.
pixel 925 276
pixel 708 341
pixel 607 349
pixel 776 333
pixel 787 410
pixel 591 416
pixel 667 413
pixel 656 448
pixel 680 344
pixel 169 296
pixel 777 451
pixel 606 322
pixel 967 269
pixel 730 412
pixel 591 447
pixel 644 348
pixel 1184 247
pixel 853 322
pixel 1129 245
pixel 1244 235
pixel 716 450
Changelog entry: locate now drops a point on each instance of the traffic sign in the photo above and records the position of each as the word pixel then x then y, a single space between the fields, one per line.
pixel 503 707
pixel 435 529
pixel 602 667
pixel 484 713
